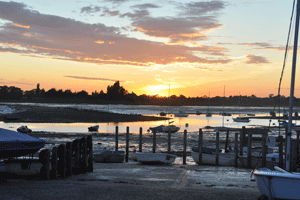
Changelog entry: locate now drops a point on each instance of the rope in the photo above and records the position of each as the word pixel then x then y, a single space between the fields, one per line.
pixel 284 61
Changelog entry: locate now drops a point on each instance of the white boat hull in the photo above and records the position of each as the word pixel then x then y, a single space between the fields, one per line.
pixel 225 159
pixel 276 184
pixel 161 158
pixel 256 162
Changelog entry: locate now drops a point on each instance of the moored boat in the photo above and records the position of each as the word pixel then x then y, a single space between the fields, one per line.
pixel 241 119
pixel 93 128
pixel 24 129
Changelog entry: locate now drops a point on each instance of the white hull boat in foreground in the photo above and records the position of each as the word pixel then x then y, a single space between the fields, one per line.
pixel 278 184
pixel 155 158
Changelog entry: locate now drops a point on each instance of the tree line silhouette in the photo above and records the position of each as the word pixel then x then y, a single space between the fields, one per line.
pixel 117 94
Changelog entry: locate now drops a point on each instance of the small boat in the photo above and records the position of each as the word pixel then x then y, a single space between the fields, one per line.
pixel 162 114
pixel 272 160
pixel 241 119
pixel 278 183
pixel 208 115
pixel 198 112
pixel 155 158
pixel 24 129
pixel 226 114
pixel 250 114
pixel 181 114
pixel 164 129
pixel 93 128
pixel 15 144
pixel 107 156
pixel 209 157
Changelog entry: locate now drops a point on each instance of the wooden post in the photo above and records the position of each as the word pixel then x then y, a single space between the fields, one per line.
pixel 141 140
pixel 154 141
pixel 54 163
pixel 44 158
pixel 280 138
pixel 242 136
pixel 226 143
pixel 184 147
pixel 169 141
pixel 294 156
pixel 127 143
pixel 76 149
pixel 249 150
pixel 236 150
pixel 62 160
pixel 264 150
pixel 200 145
pixel 117 138
pixel 217 148
pixel 298 136
pixel 90 167
pixel 69 159
pixel 84 155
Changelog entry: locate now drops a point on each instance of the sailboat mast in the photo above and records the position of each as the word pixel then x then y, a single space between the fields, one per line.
pixel 291 104
pixel 223 108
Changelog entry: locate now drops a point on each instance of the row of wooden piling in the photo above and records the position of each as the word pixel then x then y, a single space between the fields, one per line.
pixel 67 159
pixel 239 143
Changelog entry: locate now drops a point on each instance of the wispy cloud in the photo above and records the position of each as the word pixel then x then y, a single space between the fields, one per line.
pixel 252 59
pixel 92 78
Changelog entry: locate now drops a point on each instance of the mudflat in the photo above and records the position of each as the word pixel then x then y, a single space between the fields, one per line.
pixel 38 114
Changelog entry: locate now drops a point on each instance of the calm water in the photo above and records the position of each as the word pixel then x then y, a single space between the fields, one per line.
pixel 192 124
pixel 193 121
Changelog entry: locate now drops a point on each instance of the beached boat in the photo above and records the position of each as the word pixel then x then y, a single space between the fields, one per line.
pixel 209 156
pixel 155 158
pixel 15 144
pixel 164 129
pixel 93 128
pixel 241 119
pixel 272 160
pixel 24 129
pixel 281 183
pixel 107 156
pixel 278 183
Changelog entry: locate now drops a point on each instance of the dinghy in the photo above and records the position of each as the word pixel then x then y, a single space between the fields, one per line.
pixel 107 156
pixel 15 144
pixel 155 158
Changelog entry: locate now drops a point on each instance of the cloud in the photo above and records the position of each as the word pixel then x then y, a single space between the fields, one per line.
pixel 89 9
pixel 189 27
pixel 259 45
pixel 145 6
pixel 201 8
pixel 209 69
pixel 92 78
pixel 56 37
pixel 252 59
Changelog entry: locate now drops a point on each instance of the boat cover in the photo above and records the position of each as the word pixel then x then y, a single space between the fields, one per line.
pixel 205 150
pixel 16 144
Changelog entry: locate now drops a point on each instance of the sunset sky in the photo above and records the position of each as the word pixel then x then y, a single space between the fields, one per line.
pixel 196 47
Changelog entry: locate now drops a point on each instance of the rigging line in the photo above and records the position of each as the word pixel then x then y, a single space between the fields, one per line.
pixel 284 60
pixel 286 50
